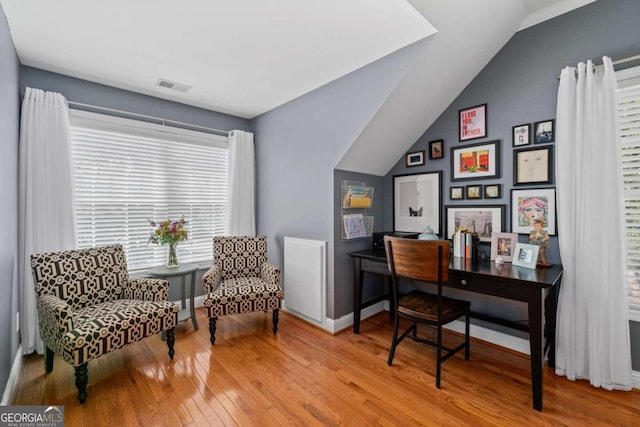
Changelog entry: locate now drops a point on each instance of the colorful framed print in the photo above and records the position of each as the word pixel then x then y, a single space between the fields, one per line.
pixel 457 193
pixel 525 255
pixel 503 244
pixel 436 149
pixel 416 202
pixel 473 191
pixel 481 219
pixel 544 131
pixel 521 135
pixel 533 165
pixel 476 161
pixel 492 191
pixel 473 122
pixel 531 204
pixel 415 158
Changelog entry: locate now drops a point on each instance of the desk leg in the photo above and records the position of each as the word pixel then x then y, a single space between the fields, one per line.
pixel 192 304
pixel 357 294
pixel 551 308
pixel 536 343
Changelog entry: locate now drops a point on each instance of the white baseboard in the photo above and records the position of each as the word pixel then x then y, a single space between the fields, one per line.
pixel 10 388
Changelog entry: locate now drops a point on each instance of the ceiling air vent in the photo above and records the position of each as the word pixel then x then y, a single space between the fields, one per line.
pixel 168 84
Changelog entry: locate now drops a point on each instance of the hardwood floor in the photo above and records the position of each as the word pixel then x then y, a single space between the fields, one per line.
pixel 304 376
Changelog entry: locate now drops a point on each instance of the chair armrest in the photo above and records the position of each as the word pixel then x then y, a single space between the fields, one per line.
pixel 211 279
pixel 147 289
pixel 270 273
pixel 55 318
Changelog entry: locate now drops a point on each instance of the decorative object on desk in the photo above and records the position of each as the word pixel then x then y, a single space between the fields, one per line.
pixel 525 255
pixel 503 245
pixel 170 233
pixel 492 191
pixel 473 122
pixel 544 131
pixel 457 193
pixel 416 201
pixel 428 234
pixel 539 237
pixel 521 135
pixel 533 165
pixel 436 149
pixel 474 191
pixel 415 158
pixel 476 161
pixel 499 260
pixel 531 204
pixel 481 219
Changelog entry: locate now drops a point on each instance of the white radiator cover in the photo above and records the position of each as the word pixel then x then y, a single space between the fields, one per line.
pixel 305 278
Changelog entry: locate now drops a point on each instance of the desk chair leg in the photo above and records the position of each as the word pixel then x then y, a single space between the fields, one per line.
pixel 394 341
pixel 466 335
pixel 276 313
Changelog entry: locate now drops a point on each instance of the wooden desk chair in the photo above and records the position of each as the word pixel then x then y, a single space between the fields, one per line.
pixel 428 261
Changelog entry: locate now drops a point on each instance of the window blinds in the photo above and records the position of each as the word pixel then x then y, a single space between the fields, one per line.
pixel 128 172
pixel 629 117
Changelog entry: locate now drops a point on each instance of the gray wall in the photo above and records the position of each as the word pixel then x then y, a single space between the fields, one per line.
pixel 299 144
pixel 9 125
pixel 520 85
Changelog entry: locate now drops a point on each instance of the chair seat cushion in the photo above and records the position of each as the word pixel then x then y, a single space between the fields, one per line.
pixel 108 326
pixel 243 295
pixel 425 306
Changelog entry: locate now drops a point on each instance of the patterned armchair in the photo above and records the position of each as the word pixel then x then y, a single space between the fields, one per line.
pixel 241 280
pixel 88 306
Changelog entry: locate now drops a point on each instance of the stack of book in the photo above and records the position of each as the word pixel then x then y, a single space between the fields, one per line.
pixel 465 245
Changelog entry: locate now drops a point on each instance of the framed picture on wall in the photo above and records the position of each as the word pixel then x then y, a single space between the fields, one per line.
pixel 457 193
pixel 415 158
pixel 521 135
pixel 416 201
pixel 474 191
pixel 544 131
pixel 492 191
pixel 436 149
pixel 476 161
pixel 531 204
pixel 533 165
pixel 481 219
pixel 473 122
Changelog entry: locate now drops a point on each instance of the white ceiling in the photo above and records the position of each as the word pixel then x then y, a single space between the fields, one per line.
pixel 241 57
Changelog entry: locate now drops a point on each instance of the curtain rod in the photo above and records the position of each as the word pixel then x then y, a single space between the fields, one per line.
pixel 620 61
pixel 165 122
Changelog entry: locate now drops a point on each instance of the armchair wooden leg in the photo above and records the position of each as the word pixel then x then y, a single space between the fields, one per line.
pixel 48 360
pixel 82 378
pixel 212 329
pixel 171 339
pixel 276 314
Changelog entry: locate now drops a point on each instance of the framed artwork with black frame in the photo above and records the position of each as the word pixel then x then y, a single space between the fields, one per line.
pixel 476 161
pixel 472 122
pixel 544 131
pixel 415 158
pixel 533 165
pixel 436 149
pixel 492 191
pixel 417 201
pixel 473 191
pixel 456 193
pixel 528 205
pixel 521 135
pixel 481 219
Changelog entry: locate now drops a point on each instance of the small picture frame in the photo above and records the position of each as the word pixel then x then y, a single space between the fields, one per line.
pixel 525 255
pixel 415 158
pixel 521 135
pixel 533 165
pixel 436 149
pixel 492 191
pixel 457 193
pixel 473 191
pixel 472 122
pixel 544 131
pixel 503 244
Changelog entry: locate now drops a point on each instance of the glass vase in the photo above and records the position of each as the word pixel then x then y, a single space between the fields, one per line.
pixel 172 256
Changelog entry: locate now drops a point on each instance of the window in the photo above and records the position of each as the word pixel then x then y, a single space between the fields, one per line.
pixel 629 114
pixel 127 172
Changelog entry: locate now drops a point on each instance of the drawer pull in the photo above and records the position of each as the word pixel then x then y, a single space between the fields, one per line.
pixel 463 282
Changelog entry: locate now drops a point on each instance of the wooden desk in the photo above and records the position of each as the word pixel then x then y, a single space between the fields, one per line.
pixel 537 288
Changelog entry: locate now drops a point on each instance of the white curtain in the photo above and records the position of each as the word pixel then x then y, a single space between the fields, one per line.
pixel 241 184
pixel 46 208
pixel 592 335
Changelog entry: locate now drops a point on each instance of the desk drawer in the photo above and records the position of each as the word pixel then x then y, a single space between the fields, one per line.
pixel 488 286
pixel 375 267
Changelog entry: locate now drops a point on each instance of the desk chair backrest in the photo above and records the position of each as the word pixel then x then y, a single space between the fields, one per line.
pixel 425 260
